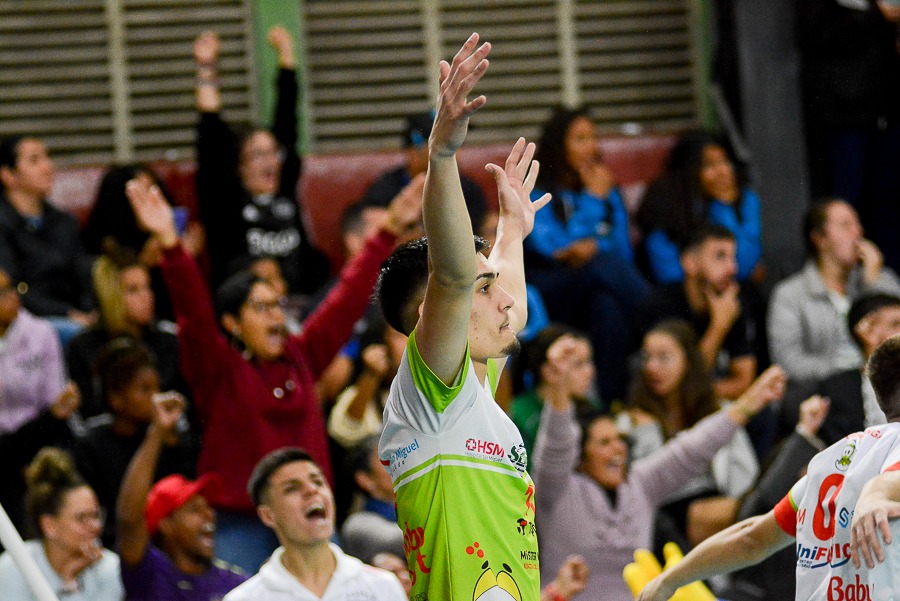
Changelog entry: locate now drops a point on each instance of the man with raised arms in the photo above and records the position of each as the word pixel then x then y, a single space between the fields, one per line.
pixel 465 501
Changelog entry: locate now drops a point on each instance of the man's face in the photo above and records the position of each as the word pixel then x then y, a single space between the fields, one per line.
pixel 490 332
pixel 192 527
pixel 33 174
pixel 260 164
pixel 878 326
pixel 840 235
pixel 714 264
pixel 299 504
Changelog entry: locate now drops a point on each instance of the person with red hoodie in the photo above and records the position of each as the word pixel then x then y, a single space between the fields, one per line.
pixel 253 385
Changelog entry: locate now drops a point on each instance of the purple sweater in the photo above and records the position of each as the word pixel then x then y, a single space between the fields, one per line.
pixel 575 515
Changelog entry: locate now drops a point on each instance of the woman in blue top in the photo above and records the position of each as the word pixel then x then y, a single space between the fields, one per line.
pixel 699 186
pixel 579 254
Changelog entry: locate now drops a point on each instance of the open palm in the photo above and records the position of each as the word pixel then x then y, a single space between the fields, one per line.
pixel 515 183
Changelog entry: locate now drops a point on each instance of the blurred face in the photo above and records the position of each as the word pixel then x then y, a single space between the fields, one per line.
pixel 605 454
pixel 490 334
pixel 139 299
pixel 392 563
pixel 260 163
pixel 713 264
pixel 878 326
pixel 136 401
pixel 33 174
pixel 191 528
pixel 269 269
pixel 373 218
pixel 299 505
pixel 840 235
pixel 717 177
pixel 261 323
pixel 381 486
pixel 663 364
pixel 581 143
pixel 78 524
pixel 9 301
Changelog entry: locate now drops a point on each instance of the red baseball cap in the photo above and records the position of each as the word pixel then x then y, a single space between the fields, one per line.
pixel 172 492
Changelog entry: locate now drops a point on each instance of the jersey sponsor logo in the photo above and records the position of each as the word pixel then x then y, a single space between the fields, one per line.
pixel 518 456
pixel 846 456
pixel 844 517
pixel 485 449
pixel 834 555
pixel 413 541
pixel 399 456
pixel 838 590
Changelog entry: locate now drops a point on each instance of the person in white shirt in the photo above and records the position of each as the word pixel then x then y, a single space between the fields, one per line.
pixel 293 498
pixel 835 512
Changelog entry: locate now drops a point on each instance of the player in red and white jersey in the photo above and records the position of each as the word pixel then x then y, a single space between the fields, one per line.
pixel 838 513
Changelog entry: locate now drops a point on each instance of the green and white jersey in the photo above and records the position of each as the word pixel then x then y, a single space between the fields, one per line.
pixel 465 501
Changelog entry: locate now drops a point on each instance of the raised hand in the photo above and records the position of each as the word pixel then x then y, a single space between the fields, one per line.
pixel 206 49
pixel 67 403
pixel 871 259
pixel 281 40
pixel 457 80
pixel 405 210
pixel 768 387
pixel 168 408
pixel 572 577
pixel 813 412
pixel 515 182
pixel 152 211
pixel 725 306
pixel 375 360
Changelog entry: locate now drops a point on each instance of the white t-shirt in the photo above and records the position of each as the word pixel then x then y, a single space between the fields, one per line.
pixel 352 581
pixel 818 511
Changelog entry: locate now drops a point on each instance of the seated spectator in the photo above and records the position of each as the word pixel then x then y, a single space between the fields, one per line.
pixel 807 313
pixel 127 308
pixel 40 248
pixel 292 497
pixel 576 353
pixel 166 530
pixel 36 400
pixel 872 319
pixel 597 505
pixel 698 187
pixel 415 145
pixel 579 254
pixel 112 229
pixel 253 374
pixel 769 579
pixel 708 298
pixel 357 412
pixel 672 394
pixel 67 551
pixel 373 529
pixel 247 177
pixel 129 382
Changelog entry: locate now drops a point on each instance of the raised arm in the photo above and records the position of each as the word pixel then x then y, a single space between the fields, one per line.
pixel 514 186
pixel 132 534
pixel 206 60
pixel 442 331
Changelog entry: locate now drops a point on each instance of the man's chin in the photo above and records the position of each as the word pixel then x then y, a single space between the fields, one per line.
pixel 512 348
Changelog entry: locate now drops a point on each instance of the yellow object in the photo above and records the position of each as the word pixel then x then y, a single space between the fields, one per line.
pixel 646 567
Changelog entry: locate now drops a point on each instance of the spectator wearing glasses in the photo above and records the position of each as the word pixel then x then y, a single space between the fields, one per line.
pixel 253 384
pixel 68 552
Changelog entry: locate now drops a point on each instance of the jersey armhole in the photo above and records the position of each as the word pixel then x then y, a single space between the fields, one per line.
pixel 439 395
pixel 786 515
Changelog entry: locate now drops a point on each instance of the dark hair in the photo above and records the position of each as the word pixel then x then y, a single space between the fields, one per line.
pixel 697 397
pixel 585 419
pixel 866 305
pixel 556 172
pixel 675 203
pixel 352 220
pixel 814 221
pixel 700 235
pixel 883 369
pixel 234 292
pixel 9 151
pixel 417 129
pixel 401 283
pixel 112 218
pixel 49 477
pixel 359 456
pixel 119 362
pixel 258 484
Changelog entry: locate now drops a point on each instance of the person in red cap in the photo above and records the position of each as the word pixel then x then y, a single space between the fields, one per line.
pixel 166 545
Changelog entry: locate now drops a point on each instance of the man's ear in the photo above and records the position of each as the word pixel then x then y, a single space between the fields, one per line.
pixel 266 516
pixel 231 325
pixel 48 526
pixel 363 480
pixel 7 176
pixel 689 263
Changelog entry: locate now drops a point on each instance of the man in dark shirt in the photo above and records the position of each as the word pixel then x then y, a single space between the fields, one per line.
pixel 415 138
pixel 708 299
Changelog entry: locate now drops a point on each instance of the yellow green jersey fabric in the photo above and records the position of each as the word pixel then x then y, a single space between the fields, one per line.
pixel 465 501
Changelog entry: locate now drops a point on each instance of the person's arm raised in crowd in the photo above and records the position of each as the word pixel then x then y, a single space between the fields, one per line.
pixel 515 183
pixel 738 546
pixel 206 61
pixel 442 330
pixel 133 538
